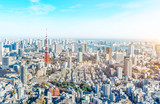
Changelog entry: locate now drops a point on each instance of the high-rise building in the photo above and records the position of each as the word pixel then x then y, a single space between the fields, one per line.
pixel 85 47
pixel 39 46
pixel 118 57
pixel 106 90
pixel 1 52
pixel 5 63
pixel 81 94
pixel 80 57
pixel 153 51
pixel 105 50
pixel 20 52
pixel 67 53
pixel 109 51
pixel 117 48
pixel 97 57
pixel 113 97
pixel 82 49
pixel 127 66
pixel 58 48
pixel 119 72
pixel 72 47
pixel 97 89
pixel 23 74
pixel 20 92
pixel 70 62
pixel 131 50
pixel 15 47
pixel 157 47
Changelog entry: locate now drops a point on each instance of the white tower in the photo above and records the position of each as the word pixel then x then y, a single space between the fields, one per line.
pixel 153 51
pixel 80 57
pixel 1 52
pixel 97 57
pixel 131 50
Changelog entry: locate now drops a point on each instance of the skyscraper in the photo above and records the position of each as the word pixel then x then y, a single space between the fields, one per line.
pixel 119 72
pixel 80 57
pixel 153 51
pixel 128 66
pixel 131 50
pixel 15 46
pixel 118 57
pixel 24 74
pixel 20 52
pixel 97 89
pixel 20 92
pixel 1 52
pixel 157 47
pixel 106 90
pixel 97 57
pixel 109 51
pixel 85 47
pixel 5 63
pixel 72 47
pixel 70 62
pixel 58 48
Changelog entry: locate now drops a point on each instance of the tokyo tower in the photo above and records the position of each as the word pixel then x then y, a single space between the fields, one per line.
pixel 46 56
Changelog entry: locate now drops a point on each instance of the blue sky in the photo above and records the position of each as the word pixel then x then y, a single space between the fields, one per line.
pixel 127 19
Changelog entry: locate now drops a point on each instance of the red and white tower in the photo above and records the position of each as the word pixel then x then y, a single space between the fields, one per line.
pixel 46 56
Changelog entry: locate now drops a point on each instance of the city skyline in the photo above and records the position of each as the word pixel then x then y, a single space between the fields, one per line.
pixel 138 19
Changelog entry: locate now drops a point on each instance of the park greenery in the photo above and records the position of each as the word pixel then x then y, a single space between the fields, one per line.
pixel 77 87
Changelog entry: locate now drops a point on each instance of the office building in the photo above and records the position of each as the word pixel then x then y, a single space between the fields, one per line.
pixel 106 90
pixel 23 74
pixel 70 62
pixel 157 47
pixel 128 66
pixel 118 57
pixel 153 51
pixel 80 57
pixel 58 48
pixel 20 52
pixel 20 92
pixel 5 63
pixel 1 52
pixel 109 51
pixel 131 50
pixel 84 48
pixel 119 72
pixel 97 57
pixel 72 47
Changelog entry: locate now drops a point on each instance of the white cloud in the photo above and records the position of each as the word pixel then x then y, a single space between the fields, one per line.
pixel 75 6
pixel 71 8
pixel 35 1
pixel 127 5
pixel 105 5
pixel 42 8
